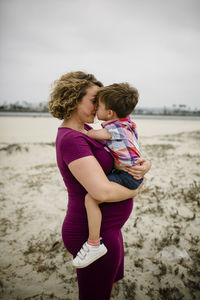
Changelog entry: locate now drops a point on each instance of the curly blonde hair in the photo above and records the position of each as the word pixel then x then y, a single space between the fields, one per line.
pixel 68 91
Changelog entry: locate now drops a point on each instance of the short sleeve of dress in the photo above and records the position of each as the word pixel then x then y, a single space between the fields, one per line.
pixel 75 147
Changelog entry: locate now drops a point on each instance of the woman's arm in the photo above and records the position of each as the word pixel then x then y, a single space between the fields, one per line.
pixel 138 172
pixel 89 173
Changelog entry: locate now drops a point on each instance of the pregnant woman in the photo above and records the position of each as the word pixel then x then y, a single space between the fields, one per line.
pixel 84 164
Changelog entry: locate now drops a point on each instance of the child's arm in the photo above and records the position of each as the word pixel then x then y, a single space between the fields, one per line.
pixel 100 134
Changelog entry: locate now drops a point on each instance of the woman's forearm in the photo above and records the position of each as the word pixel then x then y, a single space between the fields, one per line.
pixel 115 192
pixel 91 176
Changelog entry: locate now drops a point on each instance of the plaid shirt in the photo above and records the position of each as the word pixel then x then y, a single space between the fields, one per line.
pixel 124 141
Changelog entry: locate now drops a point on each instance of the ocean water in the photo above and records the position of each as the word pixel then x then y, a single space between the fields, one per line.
pixel 43 129
pixel 48 115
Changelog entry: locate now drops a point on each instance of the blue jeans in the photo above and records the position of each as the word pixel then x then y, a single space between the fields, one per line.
pixel 124 179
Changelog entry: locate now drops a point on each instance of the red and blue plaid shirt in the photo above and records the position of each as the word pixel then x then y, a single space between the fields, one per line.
pixel 124 141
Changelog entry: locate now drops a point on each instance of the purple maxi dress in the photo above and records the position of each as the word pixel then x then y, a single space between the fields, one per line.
pixel 95 281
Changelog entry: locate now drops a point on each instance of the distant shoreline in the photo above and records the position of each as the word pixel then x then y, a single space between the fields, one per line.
pixel 136 116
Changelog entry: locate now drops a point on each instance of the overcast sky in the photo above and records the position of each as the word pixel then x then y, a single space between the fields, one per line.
pixel 152 44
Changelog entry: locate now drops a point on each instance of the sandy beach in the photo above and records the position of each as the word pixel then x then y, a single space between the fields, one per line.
pixel 161 237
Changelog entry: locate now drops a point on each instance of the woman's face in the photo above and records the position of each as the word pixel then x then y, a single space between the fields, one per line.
pixel 86 109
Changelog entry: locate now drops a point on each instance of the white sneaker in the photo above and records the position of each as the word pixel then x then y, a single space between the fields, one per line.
pixel 88 254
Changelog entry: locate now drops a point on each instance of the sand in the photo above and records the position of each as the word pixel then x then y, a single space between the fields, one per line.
pixel 161 237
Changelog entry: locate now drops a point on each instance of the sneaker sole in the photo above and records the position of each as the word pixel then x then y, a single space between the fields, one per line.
pixel 89 263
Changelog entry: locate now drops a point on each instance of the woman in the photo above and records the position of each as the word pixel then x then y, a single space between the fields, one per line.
pixel 84 163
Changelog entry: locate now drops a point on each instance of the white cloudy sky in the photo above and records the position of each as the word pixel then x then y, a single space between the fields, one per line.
pixel 152 44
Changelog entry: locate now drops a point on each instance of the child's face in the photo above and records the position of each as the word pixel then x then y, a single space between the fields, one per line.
pixel 102 112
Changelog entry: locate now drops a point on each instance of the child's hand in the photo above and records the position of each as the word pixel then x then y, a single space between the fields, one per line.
pixel 139 171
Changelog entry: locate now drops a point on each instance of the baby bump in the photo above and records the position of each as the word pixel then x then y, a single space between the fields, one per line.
pixel 75 225
pixel 115 215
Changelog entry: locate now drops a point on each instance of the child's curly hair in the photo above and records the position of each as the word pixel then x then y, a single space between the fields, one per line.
pixel 68 91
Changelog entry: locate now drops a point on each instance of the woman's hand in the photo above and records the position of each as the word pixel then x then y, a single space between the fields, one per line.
pixel 135 192
pixel 139 171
